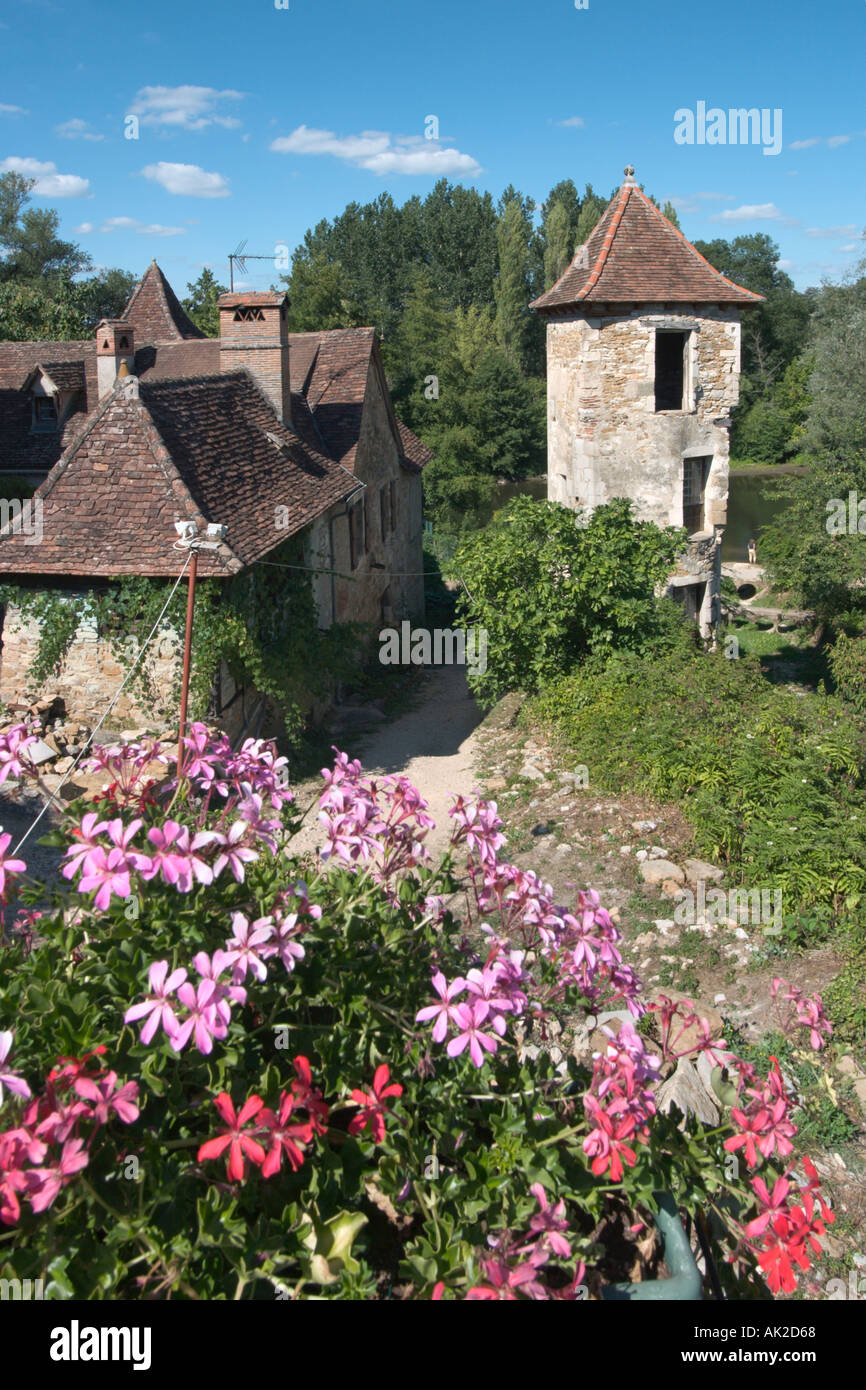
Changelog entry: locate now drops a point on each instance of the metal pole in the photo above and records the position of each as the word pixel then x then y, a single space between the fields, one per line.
pixel 187 647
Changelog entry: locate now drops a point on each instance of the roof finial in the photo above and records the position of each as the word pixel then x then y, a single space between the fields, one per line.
pixel 629 174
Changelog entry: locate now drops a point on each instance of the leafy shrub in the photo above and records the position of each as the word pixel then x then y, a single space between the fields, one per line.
pixel 772 780
pixel 848 664
pixel 550 588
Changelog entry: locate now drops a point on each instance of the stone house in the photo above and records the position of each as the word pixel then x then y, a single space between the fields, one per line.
pixel 268 433
pixel 643 362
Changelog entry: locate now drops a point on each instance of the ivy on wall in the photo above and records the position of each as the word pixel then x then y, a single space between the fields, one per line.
pixel 261 623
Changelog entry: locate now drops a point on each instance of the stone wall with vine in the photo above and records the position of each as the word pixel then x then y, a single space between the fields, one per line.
pixel 262 623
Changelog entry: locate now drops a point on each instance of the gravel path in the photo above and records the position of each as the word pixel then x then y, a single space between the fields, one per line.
pixel 434 744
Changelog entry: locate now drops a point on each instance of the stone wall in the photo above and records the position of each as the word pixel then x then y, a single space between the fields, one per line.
pixel 387 578
pixel 90 676
pixel 605 438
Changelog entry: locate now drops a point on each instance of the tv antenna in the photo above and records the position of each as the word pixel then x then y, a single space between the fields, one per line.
pixel 239 257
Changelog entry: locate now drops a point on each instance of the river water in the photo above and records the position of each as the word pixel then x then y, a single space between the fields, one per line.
pixel 750 507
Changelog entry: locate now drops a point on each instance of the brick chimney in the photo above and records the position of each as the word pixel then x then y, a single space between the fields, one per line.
pixel 115 344
pixel 254 336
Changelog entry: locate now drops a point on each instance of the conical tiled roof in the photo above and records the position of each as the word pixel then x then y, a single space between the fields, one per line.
pixel 155 311
pixel 636 254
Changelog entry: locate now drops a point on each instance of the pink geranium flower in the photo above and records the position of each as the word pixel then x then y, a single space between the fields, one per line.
pixel 16 1084
pixel 158 1007
pixel 45 1183
pixel 468 1019
pixel 445 1011
pixel 8 866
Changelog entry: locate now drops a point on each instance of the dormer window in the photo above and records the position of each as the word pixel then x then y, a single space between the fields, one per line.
pixel 44 414
pixel 249 316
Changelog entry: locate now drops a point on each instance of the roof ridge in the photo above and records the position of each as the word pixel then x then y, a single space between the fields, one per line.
pixel 608 240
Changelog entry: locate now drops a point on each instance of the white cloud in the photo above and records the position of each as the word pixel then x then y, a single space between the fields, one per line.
pixel 76 129
pixel 12 110
pixel 84 229
pixel 716 197
pixel 132 224
pixel 754 212
pixel 832 141
pixel 850 246
pixel 577 121
pixel 49 184
pixel 848 230
pixel 380 152
pixel 187 179
pixel 186 107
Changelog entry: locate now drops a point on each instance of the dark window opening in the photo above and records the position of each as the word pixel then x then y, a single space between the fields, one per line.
pixel 393 492
pixel 383 513
pixel 44 413
pixel 694 485
pixel 670 377
pixel 691 597
pixel 124 345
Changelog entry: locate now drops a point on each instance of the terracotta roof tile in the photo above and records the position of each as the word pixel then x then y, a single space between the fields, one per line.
pixel 635 254
pixel 155 312
pixel 209 449
pixel 415 453
pixel 20 449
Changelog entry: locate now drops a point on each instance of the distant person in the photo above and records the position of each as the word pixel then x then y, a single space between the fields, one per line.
pixel 753 552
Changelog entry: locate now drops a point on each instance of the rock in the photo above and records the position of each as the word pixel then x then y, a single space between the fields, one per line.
pixel 685 1090
pixel 643 827
pixel 671 888
pixel 641 856
pixel 664 926
pixel 532 774
pixel 697 871
pixel 563 849
pixel 655 871
pixel 657 852
pixel 847 1066
pixel 496 784
pixel 41 752
pixel 705 1011
pixel 860 1090
pixel 625 849
pixel 740 934
pixel 646 938
pixel 719 998
pixel 64 765
pixel 541 830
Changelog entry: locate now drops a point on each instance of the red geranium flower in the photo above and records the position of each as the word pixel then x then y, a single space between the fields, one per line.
pixel 373 1111
pixel 236 1139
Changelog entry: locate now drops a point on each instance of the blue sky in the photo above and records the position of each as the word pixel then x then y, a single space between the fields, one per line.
pixel 255 122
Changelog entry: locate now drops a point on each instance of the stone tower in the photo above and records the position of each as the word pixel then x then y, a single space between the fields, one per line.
pixel 643 362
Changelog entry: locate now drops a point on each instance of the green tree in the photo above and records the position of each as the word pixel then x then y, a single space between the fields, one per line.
pixel 320 295
pixel 816 548
pixel 557 252
pixel 30 249
pixel 512 286
pixel 592 207
pixel 28 315
pixel 550 587
pixel 106 294
pixel 201 302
